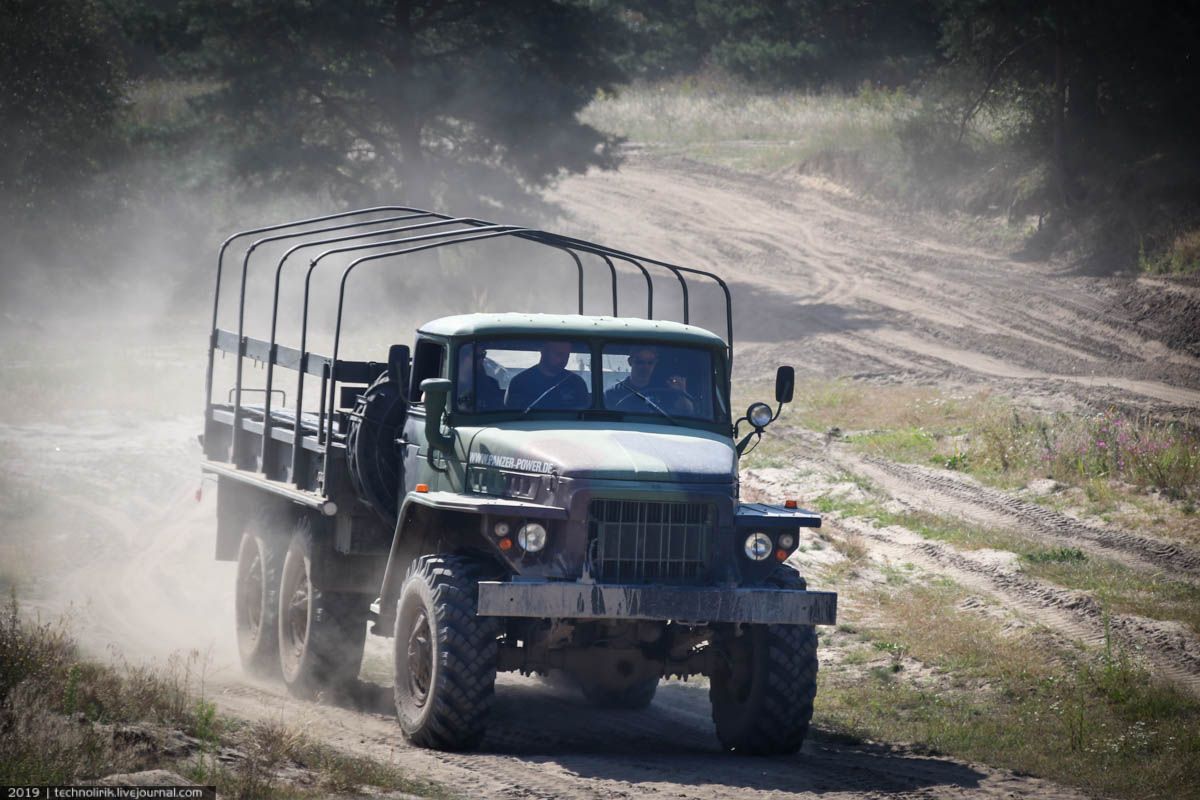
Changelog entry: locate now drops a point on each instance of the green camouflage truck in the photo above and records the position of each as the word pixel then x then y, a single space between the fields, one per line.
pixel 514 492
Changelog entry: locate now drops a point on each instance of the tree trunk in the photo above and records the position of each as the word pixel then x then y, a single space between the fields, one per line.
pixel 408 117
pixel 1059 145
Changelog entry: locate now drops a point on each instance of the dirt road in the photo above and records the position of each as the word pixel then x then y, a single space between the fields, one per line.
pixel 818 282
pixel 147 587
pixel 841 290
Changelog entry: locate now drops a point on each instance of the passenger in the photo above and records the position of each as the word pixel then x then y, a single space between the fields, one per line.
pixel 477 391
pixel 623 396
pixel 548 383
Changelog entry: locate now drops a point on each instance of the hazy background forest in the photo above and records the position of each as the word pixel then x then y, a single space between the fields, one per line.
pixel 135 132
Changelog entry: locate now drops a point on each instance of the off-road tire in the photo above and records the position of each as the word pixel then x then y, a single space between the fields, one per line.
pixel 256 595
pixel 321 633
pixel 633 697
pixel 785 577
pixel 444 655
pixel 762 702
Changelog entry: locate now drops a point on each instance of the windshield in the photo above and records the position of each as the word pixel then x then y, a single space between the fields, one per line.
pixel 649 378
pixel 524 375
pixel 527 375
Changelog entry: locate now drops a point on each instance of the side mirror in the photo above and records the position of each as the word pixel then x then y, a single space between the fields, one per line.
pixel 437 393
pixel 785 384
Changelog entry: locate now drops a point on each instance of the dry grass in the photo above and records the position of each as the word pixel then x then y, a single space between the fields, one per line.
pixel 886 145
pixel 965 684
pixel 65 719
pixel 59 712
pixel 791 125
pixel 1116 460
pixel 1119 588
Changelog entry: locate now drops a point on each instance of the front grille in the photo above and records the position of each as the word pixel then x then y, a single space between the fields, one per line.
pixel 644 542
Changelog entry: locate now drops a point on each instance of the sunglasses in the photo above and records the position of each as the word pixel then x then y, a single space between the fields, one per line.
pixel 644 362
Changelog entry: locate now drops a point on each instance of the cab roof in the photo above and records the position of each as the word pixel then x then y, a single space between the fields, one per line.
pixel 516 324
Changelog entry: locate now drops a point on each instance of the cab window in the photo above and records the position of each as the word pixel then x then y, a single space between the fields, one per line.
pixel 428 362
pixel 650 378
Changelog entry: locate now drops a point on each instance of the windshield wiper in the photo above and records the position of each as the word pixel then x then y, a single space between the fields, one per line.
pixel 542 396
pixel 650 403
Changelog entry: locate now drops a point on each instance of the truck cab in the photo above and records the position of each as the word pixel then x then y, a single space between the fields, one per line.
pixel 631 476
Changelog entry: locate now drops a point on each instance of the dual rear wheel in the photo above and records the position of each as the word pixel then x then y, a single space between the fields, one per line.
pixel 287 627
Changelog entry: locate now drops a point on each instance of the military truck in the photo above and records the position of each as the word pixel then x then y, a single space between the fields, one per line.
pixel 522 492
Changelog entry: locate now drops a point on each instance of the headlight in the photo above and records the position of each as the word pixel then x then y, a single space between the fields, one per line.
pixel 786 541
pixel 531 537
pixel 758 546
pixel 760 415
pixel 501 529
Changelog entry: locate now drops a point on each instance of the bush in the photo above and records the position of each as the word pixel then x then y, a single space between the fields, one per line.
pixel 1108 446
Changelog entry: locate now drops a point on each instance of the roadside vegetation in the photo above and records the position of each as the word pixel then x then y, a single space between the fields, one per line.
pixel 1135 473
pixel 920 658
pixel 67 719
pixel 981 685
pixel 865 138
pixel 894 145
pixel 1108 462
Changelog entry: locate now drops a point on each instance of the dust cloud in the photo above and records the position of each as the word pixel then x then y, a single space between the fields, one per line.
pixel 105 516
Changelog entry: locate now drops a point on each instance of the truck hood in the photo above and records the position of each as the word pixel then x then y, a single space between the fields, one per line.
pixel 625 451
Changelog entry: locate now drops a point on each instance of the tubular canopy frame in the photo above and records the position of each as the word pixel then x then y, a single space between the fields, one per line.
pixel 363 223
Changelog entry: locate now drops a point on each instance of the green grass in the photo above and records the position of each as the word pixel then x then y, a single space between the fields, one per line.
pixel 1091 719
pixel 1183 256
pixel 1113 458
pixel 1055 555
pixel 1119 588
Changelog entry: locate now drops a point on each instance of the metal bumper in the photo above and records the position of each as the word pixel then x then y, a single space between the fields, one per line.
pixel 563 600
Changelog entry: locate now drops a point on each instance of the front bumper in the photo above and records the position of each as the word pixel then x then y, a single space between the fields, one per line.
pixel 566 600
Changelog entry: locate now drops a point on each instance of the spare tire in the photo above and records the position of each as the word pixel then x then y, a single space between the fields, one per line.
pixel 371 454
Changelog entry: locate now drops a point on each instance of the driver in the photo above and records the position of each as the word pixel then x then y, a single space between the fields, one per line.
pixel 669 393
pixel 548 383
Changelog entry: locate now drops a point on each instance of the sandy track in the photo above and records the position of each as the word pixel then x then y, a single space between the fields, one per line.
pixel 865 295
pixel 935 490
pixel 545 743
pixel 128 556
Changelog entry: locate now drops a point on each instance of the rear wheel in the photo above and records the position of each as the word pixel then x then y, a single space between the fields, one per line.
pixel 763 688
pixel 256 596
pixel 444 655
pixel 321 634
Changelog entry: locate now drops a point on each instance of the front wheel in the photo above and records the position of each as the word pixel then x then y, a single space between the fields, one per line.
pixel 763 687
pixel 321 634
pixel 444 657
